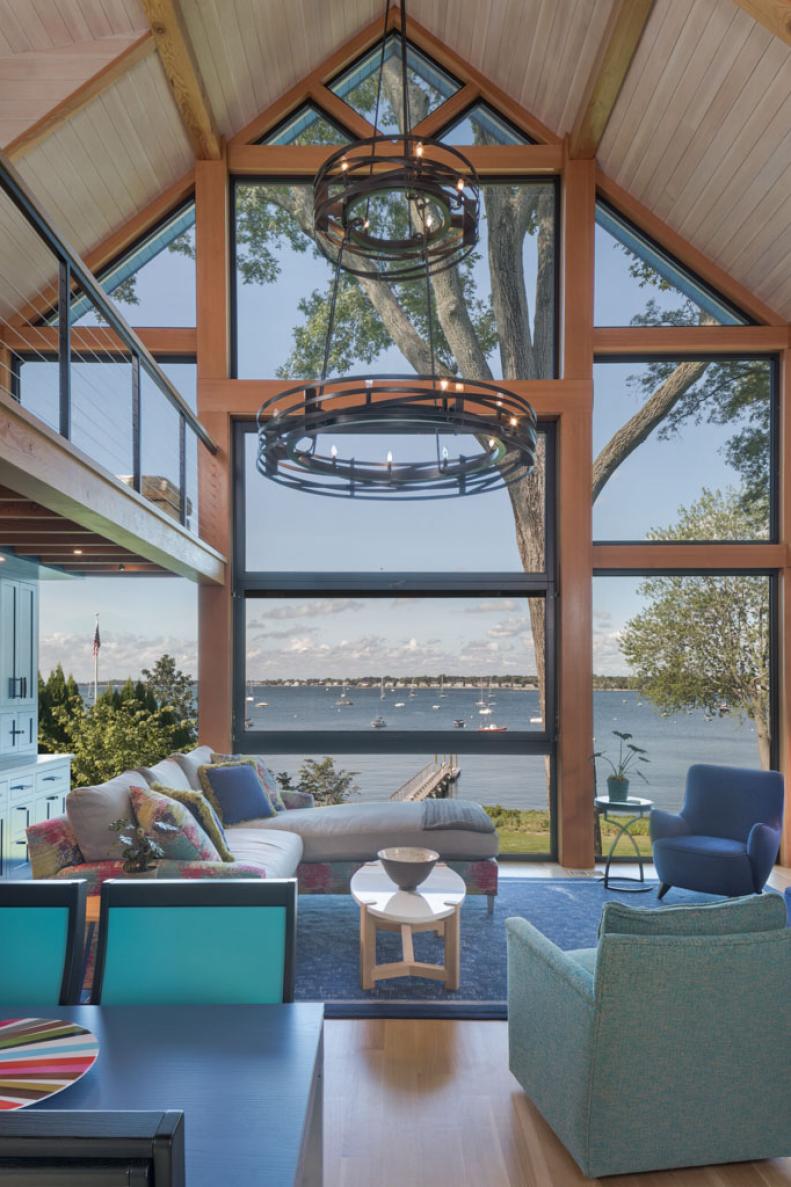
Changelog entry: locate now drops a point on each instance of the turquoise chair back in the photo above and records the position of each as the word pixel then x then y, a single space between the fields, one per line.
pixel 210 942
pixel 42 932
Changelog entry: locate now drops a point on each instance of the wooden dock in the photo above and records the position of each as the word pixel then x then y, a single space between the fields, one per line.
pixel 436 780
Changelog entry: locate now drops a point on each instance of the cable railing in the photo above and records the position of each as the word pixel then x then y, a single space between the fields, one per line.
pixel 90 378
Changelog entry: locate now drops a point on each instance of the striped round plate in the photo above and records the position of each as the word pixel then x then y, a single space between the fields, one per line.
pixel 41 1056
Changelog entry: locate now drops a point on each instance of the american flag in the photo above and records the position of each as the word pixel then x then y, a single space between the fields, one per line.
pixel 97 641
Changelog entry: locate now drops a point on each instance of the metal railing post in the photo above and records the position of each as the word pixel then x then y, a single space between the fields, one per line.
pixel 64 348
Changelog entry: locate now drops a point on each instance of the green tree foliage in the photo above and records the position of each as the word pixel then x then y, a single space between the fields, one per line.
pixel 166 687
pixel 106 740
pixel 320 777
pixel 702 641
pixel 55 693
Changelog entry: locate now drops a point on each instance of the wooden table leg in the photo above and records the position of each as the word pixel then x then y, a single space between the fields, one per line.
pixel 367 949
pixel 453 950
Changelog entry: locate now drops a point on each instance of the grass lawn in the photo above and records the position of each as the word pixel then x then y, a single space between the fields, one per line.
pixel 527 831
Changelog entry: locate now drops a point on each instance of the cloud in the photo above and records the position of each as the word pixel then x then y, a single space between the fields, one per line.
pixel 500 606
pixel 121 655
pixel 510 628
pixel 315 609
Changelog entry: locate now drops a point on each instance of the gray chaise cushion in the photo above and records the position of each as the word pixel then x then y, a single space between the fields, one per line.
pixel 91 811
pixel 278 853
pixel 355 832
pixel 169 773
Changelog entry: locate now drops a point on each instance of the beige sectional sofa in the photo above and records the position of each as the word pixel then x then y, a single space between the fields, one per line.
pixel 322 846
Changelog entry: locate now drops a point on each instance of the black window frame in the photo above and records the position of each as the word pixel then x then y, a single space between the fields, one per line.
pixel 251 584
pixel 774 438
pixel 773 576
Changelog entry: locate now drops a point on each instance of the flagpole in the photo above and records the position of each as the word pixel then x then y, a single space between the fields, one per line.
pixel 96 662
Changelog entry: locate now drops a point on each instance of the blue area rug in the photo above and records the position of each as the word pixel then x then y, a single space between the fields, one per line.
pixel 567 910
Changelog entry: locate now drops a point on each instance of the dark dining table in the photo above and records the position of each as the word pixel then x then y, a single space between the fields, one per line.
pixel 248 1080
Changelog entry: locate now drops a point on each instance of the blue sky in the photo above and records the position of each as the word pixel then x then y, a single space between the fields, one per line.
pixel 140 618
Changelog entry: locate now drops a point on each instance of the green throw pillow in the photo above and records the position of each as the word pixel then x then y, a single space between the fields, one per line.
pixel 203 812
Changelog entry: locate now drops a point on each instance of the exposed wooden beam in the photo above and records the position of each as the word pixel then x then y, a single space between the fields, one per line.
pixel 774 15
pixel 82 95
pixel 670 340
pixel 616 51
pixel 652 556
pixel 181 70
pixel 253 160
pixel 176 340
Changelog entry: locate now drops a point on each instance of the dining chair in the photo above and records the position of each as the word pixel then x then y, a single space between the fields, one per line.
pixel 176 942
pixel 42 935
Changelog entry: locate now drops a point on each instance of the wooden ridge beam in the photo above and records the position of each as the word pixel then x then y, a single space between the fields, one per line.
pixel 619 43
pixel 774 15
pixel 183 75
pixel 81 96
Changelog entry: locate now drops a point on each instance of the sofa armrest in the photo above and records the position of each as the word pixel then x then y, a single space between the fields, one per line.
pixel 52 846
pixel 667 824
pixel 763 844
pixel 551 1028
pixel 297 799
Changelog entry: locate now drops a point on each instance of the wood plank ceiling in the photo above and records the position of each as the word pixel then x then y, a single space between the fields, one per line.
pixel 701 131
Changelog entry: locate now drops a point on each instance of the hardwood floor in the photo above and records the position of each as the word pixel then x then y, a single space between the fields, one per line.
pixel 415 1103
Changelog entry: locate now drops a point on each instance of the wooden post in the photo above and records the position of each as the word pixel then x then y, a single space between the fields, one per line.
pixel 575 666
pixel 215 622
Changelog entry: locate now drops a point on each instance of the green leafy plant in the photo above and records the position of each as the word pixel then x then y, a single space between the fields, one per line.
pixel 629 756
pixel 320 778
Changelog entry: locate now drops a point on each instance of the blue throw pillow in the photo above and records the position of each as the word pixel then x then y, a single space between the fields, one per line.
pixel 235 792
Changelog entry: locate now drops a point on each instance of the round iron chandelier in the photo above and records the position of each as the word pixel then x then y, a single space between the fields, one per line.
pixel 398 204
pixel 479 436
pixel 498 425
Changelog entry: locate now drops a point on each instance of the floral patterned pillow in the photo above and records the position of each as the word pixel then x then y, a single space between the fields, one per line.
pixel 264 773
pixel 190 843
pixel 204 814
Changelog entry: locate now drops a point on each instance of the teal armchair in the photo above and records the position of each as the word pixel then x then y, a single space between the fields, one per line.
pixel 668 1044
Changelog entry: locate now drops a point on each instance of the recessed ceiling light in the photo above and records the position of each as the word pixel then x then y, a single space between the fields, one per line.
pixel 78 552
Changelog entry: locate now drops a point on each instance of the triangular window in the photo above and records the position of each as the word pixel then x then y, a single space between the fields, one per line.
pixel 429 85
pixel 639 284
pixel 480 124
pixel 153 284
pixel 306 125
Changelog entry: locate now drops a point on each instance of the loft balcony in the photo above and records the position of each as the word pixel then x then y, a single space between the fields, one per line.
pixel 98 446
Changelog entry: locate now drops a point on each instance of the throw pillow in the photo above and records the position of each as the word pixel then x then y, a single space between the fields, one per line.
pixel 190 843
pixel 264 773
pixel 203 812
pixel 235 792
pixel 752 913
pixel 91 811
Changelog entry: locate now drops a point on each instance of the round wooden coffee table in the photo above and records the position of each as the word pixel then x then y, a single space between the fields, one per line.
pixel 434 906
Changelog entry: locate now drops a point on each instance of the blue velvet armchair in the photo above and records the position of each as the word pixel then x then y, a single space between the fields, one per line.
pixel 726 837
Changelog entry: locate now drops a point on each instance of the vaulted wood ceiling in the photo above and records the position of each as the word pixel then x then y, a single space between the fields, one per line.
pixel 700 133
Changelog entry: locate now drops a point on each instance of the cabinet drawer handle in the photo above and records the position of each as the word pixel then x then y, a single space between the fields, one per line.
pixel 21 786
pixel 52 797
pixel 49 778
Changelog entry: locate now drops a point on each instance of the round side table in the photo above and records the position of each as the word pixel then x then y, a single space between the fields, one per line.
pixel 624 813
pixel 434 906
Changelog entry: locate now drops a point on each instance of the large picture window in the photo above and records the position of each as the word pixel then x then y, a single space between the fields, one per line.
pixel 494 315
pixel 383 664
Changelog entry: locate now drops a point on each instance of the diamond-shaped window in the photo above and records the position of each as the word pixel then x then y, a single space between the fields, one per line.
pixel 429 85
pixel 306 125
pixel 480 124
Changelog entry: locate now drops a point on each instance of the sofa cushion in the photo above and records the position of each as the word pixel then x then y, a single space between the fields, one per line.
pixel 204 814
pixel 91 811
pixel 279 853
pixel 189 843
pixel 190 763
pixel 235 792
pixel 264 773
pixel 168 773
pixel 356 832
pixel 586 957
pixel 753 912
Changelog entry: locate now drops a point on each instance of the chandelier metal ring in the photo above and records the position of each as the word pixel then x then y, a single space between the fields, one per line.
pixel 502 422
pixel 441 205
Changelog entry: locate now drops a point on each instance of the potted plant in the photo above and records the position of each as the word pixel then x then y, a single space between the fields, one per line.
pixel 629 756
pixel 140 852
